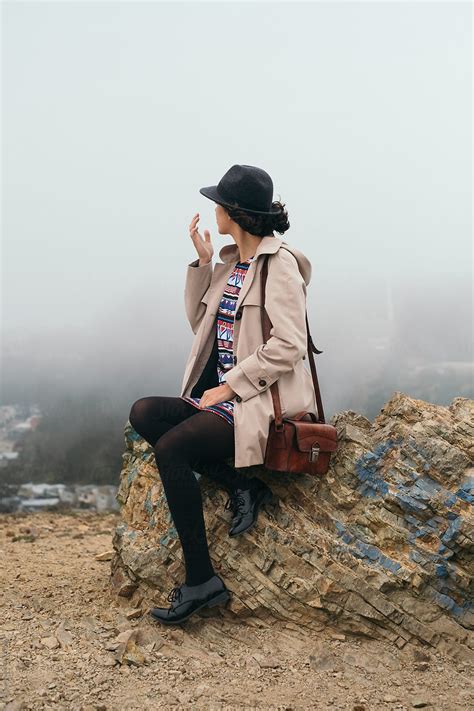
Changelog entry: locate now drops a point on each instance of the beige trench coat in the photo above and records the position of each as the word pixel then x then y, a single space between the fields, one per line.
pixel 257 364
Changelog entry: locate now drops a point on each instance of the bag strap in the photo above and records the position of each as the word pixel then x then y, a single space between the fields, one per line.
pixel 311 348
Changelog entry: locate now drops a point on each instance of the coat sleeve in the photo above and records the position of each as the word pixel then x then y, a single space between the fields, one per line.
pixel 197 282
pixel 285 303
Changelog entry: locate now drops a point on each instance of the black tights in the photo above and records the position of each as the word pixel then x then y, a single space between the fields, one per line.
pixel 184 437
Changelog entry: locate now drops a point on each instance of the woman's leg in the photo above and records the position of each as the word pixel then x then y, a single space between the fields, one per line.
pixel 204 435
pixel 152 416
pixel 183 437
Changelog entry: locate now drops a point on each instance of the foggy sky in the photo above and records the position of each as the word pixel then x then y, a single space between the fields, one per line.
pixel 115 114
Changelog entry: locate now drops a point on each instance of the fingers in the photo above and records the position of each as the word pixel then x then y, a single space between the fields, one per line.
pixel 193 230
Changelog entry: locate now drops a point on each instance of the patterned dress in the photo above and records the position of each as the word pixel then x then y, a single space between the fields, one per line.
pixel 225 338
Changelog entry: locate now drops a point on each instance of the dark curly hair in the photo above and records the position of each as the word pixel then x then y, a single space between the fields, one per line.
pixel 260 225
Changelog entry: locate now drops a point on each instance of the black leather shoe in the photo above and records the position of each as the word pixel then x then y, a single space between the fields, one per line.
pixel 186 600
pixel 245 505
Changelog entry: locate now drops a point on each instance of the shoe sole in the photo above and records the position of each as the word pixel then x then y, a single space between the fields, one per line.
pixel 223 597
pixel 266 499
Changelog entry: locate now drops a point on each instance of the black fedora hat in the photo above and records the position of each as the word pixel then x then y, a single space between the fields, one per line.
pixel 246 187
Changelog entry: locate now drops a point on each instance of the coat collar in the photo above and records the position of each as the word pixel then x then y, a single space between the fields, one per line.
pixel 230 255
pixel 268 245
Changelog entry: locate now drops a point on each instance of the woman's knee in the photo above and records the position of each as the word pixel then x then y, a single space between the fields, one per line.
pixel 138 412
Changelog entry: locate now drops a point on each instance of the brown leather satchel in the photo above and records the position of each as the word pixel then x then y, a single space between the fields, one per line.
pixel 297 444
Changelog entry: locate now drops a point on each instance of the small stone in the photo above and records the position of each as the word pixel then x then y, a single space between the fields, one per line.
pixel 133 614
pixel 201 690
pixel 107 660
pixel 128 651
pixel 151 638
pixel 266 662
pixel 64 637
pixel 422 666
pixel 420 703
pixel 50 642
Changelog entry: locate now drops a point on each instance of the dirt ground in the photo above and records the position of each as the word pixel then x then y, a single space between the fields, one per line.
pixel 68 643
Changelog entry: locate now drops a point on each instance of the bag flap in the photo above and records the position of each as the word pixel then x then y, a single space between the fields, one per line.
pixel 309 433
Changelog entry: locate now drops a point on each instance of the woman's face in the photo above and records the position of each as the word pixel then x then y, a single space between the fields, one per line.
pixel 223 220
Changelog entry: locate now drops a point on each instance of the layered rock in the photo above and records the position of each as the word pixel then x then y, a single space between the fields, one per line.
pixel 380 546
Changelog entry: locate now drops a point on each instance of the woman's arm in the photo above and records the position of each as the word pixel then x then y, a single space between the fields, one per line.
pixel 198 279
pixel 285 303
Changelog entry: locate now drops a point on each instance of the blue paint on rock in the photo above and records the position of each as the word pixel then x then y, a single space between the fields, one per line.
pixel 452 531
pixel 408 503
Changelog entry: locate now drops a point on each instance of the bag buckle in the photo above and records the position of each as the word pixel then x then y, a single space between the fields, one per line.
pixel 314 452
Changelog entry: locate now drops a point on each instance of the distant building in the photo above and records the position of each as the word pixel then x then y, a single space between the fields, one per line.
pixel 30 490
pixel 8 456
pixel 35 497
pixel 100 498
pixel 38 504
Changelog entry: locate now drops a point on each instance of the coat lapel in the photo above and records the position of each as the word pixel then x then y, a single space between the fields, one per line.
pixel 230 254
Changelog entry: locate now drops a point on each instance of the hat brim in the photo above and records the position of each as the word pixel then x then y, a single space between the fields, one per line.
pixel 211 192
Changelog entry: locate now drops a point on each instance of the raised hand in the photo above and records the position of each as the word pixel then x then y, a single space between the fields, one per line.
pixel 203 245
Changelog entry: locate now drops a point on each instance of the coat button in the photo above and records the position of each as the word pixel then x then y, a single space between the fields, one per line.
pixel 238 398
pixel 262 382
pixel 238 315
pixel 235 359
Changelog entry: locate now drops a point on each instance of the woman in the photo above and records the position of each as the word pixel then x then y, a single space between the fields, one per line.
pixel 225 405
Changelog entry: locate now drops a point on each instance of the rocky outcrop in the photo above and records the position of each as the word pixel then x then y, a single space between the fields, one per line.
pixel 380 546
